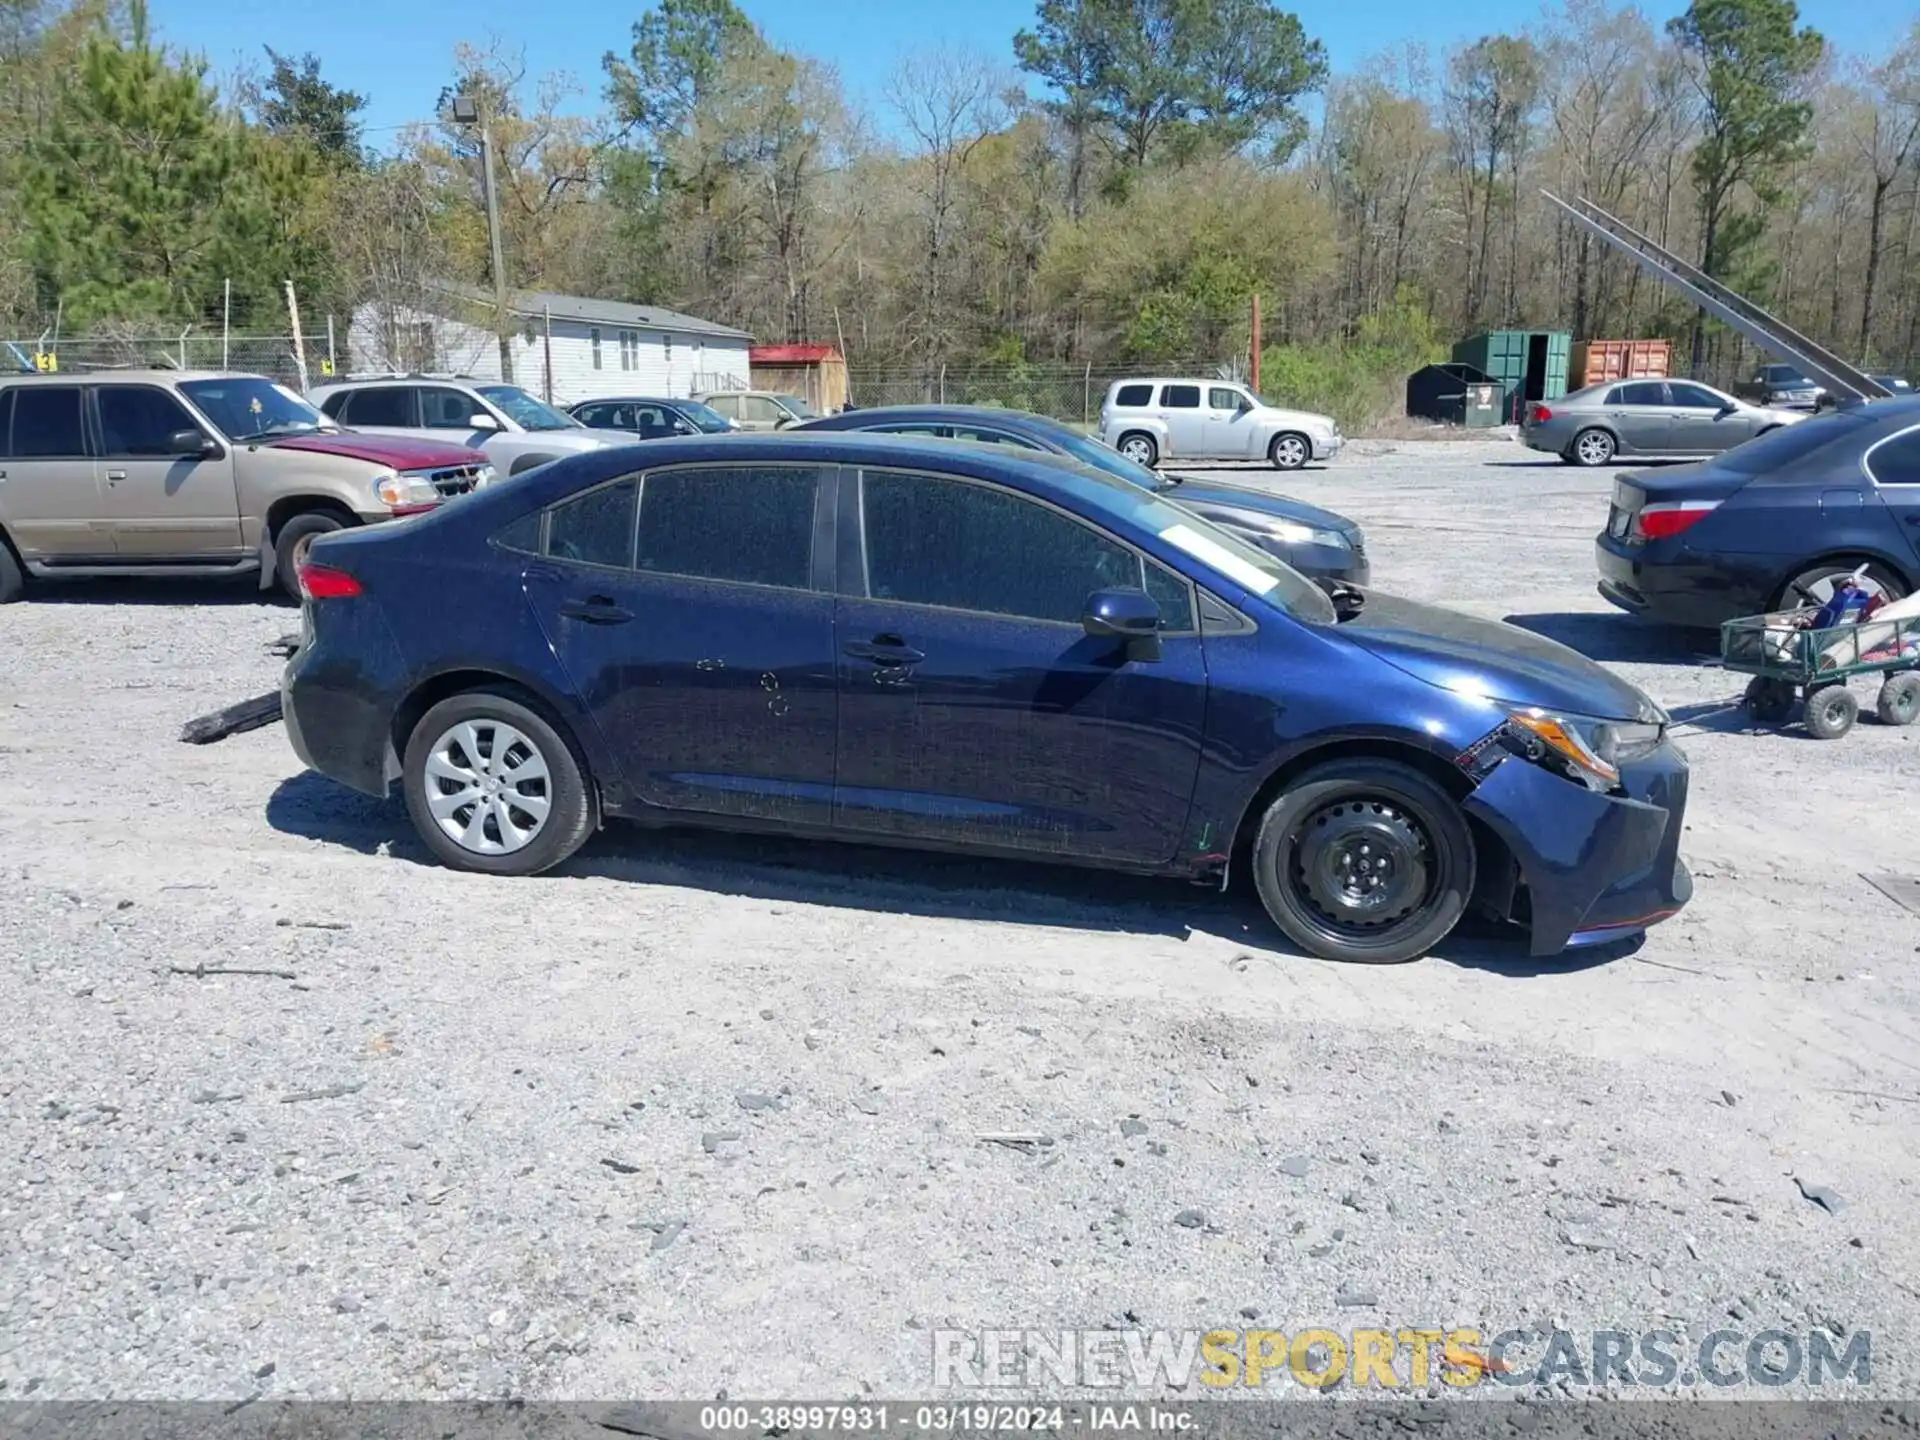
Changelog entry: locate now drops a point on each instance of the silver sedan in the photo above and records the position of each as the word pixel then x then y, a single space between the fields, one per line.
pixel 1645 419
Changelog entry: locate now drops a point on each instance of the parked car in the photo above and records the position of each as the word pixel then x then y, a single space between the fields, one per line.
pixel 1898 385
pixel 1770 525
pixel 1311 540
pixel 176 472
pixel 759 409
pixel 1645 419
pixel 1781 387
pixel 513 429
pixel 646 417
pixel 967 647
pixel 1153 420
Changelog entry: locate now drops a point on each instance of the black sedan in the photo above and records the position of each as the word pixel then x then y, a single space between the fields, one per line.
pixel 1772 523
pixel 1313 541
pixel 650 417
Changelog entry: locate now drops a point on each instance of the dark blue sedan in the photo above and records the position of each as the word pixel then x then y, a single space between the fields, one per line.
pixel 966 648
pixel 1313 541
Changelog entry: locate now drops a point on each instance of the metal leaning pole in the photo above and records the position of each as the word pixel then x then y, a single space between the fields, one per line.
pixel 1772 334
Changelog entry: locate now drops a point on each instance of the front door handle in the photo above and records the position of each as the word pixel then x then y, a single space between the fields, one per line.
pixel 114 477
pixel 596 610
pixel 885 650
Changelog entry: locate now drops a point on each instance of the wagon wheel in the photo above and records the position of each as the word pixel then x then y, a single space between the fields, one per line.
pixel 1899 702
pixel 1831 712
pixel 1767 700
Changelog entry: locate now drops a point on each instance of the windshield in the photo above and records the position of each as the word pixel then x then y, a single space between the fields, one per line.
pixel 1214 549
pixel 1789 443
pixel 798 406
pixel 245 407
pixel 706 419
pixel 525 411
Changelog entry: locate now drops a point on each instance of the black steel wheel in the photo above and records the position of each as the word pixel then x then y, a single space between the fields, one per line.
pixel 1768 701
pixel 1831 712
pixel 1366 861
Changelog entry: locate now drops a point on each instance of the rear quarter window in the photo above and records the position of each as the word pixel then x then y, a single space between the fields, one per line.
pixel 1133 396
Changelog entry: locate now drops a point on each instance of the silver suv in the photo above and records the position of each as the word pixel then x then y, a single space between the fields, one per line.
pixel 514 430
pixel 1153 420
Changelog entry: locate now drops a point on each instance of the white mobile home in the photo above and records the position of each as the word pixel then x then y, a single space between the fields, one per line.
pixel 565 348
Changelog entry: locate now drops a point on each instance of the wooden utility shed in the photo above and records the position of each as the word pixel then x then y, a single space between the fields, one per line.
pixel 816 373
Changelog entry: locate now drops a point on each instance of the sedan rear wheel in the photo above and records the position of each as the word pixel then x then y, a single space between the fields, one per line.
pixel 1289 452
pixel 491 786
pixel 1592 447
pixel 1366 861
pixel 1814 585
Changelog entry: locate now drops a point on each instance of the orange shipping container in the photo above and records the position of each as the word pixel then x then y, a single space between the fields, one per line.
pixel 1594 362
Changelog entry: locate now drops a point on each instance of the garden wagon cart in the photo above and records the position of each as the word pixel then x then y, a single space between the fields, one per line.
pixel 1787 661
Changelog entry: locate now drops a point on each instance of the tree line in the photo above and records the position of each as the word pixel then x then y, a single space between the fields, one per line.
pixel 1113 194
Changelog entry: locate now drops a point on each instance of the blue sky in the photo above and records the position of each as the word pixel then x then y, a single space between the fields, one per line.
pixel 399 52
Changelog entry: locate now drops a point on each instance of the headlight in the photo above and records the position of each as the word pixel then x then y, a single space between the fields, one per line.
pixel 1588 750
pixel 1294 533
pixel 483 477
pixel 395 491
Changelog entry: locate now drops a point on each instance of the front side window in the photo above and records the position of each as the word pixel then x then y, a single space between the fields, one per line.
pixel 1694 397
pixel 982 436
pixel 935 541
pixel 1180 397
pixel 1219 397
pixel 138 420
pixel 390 405
pixel 705 419
pixel 1133 396
pixel 46 422
pixel 446 409
pixel 747 525
pixel 760 410
pixel 797 407
pixel 245 407
pixel 595 528
pixel 525 411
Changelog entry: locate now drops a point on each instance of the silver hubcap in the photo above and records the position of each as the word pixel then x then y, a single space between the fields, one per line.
pixel 1594 449
pixel 1290 452
pixel 1138 451
pixel 488 787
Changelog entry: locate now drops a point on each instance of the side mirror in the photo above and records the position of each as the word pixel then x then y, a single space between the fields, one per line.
pixel 1128 615
pixel 192 442
pixel 783 422
pixel 1728 408
pixel 1245 405
pixel 681 427
pixel 481 420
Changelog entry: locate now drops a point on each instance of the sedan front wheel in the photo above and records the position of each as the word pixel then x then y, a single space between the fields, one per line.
pixel 1366 861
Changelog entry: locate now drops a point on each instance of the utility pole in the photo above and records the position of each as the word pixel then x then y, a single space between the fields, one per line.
pixel 466 111
pixel 1254 348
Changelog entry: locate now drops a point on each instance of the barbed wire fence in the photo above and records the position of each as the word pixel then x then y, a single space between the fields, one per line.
pixel 271 355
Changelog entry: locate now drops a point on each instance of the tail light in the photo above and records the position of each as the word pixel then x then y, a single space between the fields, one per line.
pixel 1538 414
pixel 323 582
pixel 1671 517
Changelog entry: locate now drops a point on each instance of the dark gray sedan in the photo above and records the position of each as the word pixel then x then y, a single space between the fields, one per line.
pixel 1313 541
pixel 1646 419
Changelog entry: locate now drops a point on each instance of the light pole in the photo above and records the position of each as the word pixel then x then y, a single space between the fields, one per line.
pixel 466 111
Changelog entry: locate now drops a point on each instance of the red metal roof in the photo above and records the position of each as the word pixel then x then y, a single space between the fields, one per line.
pixel 791 354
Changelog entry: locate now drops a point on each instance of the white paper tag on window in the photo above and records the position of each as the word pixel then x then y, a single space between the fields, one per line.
pixel 1212 552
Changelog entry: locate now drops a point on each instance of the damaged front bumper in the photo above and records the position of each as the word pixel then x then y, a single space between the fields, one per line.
pixel 1589 868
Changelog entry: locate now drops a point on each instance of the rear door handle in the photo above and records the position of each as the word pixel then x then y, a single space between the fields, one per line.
pixel 596 610
pixel 114 477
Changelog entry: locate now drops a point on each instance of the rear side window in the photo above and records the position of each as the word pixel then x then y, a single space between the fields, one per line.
pixel 991 437
pixel 933 541
pixel 1180 397
pixel 595 528
pixel 389 405
pixel 1791 443
pixel 335 403
pixel 1896 461
pixel 747 526
pixel 1133 395
pixel 46 422
pixel 1644 393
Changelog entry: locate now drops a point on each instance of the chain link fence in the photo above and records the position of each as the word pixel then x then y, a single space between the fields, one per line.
pixel 1066 392
pixel 269 355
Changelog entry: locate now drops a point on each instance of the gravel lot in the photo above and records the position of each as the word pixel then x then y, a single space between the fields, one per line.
pixel 699 1114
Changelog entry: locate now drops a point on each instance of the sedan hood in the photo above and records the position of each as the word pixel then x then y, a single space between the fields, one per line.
pixel 399 452
pixel 1210 497
pixel 1484 657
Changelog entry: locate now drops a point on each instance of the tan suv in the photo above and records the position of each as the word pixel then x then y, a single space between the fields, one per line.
pixel 175 472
